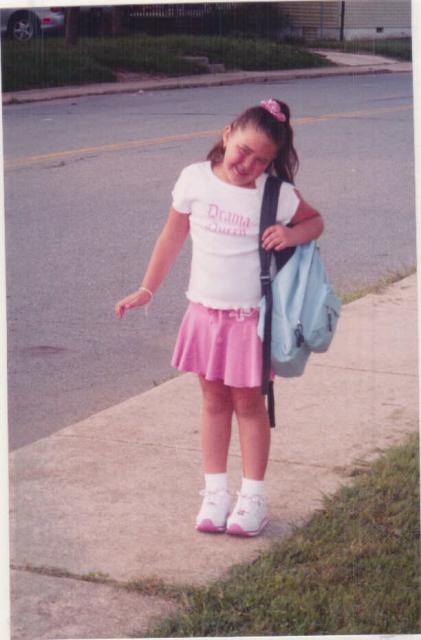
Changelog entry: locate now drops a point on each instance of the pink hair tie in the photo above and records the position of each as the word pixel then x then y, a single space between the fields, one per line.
pixel 273 107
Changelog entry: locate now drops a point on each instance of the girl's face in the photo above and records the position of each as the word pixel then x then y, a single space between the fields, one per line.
pixel 248 152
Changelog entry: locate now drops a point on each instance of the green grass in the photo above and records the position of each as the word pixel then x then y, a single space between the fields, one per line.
pixel 400 48
pixel 47 62
pixel 353 569
pixel 377 287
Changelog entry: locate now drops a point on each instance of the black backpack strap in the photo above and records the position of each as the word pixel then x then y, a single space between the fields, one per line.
pixel 268 218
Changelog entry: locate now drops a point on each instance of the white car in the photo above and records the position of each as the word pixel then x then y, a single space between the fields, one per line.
pixel 25 24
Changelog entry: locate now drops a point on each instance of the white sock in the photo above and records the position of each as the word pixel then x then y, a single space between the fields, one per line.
pixel 253 487
pixel 216 481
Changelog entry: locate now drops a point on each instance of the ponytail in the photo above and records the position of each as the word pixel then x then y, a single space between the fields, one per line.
pixel 286 163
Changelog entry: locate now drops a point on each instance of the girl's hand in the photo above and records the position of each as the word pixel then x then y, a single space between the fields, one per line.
pixel 165 251
pixel 277 237
pixel 137 299
pixel 307 225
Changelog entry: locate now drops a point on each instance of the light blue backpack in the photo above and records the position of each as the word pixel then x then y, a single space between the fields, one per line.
pixel 299 310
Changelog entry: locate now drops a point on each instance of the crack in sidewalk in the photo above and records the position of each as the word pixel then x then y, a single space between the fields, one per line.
pixel 152 587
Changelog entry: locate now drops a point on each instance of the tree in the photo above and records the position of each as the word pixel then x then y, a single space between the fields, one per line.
pixel 117 20
pixel 108 22
pixel 72 24
pixel 95 21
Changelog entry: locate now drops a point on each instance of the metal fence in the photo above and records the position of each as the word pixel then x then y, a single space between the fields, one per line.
pixel 258 19
pixel 194 10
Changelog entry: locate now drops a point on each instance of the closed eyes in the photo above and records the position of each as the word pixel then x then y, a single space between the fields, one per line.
pixel 246 151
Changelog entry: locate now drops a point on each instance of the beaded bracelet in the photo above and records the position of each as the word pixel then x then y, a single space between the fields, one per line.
pixel 148 303
pixel 147 291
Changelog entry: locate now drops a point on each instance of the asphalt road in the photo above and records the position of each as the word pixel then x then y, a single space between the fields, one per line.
pixel 88 186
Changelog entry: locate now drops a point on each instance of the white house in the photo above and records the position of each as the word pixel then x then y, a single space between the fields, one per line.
pixel 348 19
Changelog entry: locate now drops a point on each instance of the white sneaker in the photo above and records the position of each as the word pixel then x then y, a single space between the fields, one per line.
pixel 214 512
pixel 249 516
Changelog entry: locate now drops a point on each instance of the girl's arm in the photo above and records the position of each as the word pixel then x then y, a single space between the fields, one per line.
pixel 307 225
pixel 165 251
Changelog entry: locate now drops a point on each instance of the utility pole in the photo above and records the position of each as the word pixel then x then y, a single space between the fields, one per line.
pixel 322 16
pixel 341 35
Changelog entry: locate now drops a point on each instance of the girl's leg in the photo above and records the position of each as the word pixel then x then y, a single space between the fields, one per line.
pixel 254 430
pixel 216 434
pixel 217 413
pixel 249 516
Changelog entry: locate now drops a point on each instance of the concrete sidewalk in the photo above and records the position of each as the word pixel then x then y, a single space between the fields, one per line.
pixel 347 64
pixel 117 494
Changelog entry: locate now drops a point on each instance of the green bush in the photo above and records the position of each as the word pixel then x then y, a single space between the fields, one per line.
pixel 47 62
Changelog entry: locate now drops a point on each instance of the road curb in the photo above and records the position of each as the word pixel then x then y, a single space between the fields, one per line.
pixel 190 82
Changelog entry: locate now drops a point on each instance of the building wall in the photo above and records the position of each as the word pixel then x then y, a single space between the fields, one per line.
pixel 311 13
pixel 377 19
pixel 308 13
pixel 390 14
pixel 313 19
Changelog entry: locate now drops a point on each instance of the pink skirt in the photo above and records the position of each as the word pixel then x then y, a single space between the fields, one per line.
pixel 220 345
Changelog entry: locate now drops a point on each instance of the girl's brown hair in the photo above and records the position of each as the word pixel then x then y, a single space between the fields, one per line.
pixel 285 165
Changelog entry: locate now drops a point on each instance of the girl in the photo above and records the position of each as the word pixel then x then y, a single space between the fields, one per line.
pixel 218 202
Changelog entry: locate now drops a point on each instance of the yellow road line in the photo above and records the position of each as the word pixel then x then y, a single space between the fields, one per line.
pixel 120 146
pixel 352 114
pixel 136 144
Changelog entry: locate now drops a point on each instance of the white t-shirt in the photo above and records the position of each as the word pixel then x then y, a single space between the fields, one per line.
pixel 224 227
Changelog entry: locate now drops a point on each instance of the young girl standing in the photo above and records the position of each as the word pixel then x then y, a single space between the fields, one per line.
pixel 218 201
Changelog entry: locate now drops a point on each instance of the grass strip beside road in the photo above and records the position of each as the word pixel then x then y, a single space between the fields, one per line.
pixel 46 62
pixel 353 569
pixel 377 287
pixel 398 48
